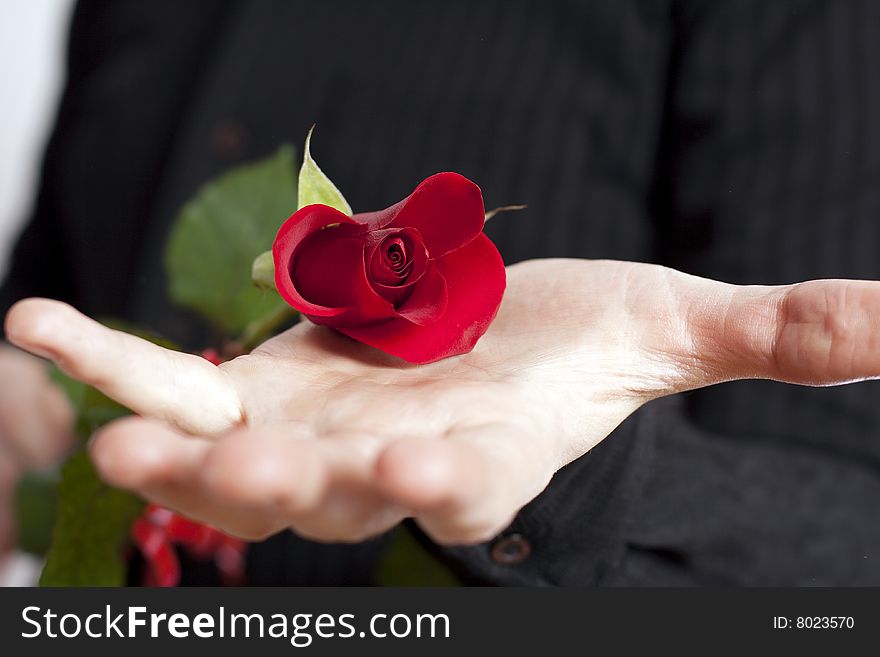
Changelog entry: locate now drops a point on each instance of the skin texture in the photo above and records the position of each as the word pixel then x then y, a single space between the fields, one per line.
pixel 339 442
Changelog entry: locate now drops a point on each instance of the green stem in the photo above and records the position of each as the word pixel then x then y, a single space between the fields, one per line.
pixel 261 328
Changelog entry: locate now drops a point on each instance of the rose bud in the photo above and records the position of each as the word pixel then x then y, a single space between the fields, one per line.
pixel 419 280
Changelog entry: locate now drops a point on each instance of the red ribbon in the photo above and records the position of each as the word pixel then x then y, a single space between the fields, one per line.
pixel 159 530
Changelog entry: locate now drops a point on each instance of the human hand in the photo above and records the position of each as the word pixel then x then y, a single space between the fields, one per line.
pixel 339 442
pixel 35 428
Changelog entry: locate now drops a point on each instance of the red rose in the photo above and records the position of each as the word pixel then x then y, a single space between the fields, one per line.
pixel 418 280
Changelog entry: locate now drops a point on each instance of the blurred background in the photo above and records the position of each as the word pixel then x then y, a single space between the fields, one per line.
pixel 32 38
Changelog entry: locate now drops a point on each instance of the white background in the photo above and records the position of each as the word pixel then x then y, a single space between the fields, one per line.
pixel 33 38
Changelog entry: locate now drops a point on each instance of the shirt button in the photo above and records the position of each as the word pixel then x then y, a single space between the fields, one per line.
pixel 511 550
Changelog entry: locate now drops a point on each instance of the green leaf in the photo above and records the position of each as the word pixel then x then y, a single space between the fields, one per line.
pixel 406 563
pixel 91 529
pixel 218 234
pixel 314 185
pixel 91 519
pixel 93 408
pixel 36 499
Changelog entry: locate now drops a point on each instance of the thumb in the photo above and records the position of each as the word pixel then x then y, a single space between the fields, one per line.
pixel 820 332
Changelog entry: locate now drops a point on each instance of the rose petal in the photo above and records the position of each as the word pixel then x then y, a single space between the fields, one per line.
pixel 418 255
pixel 328 270
pixel 446 208
pixel 323 268
pixel 304 222
pixel 475 281
pixel 379 218
pixel 428 300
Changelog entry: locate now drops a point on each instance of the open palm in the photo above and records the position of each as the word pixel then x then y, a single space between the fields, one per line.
pixel 338 441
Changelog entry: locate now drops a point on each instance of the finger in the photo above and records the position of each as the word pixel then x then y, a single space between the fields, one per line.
pixel 136 454
pixel 165 466
pixel 250 482
pixel 183 389
pixel 36 425
pixel 273 468
pixel 321 487
pixel 467 487
pixel 35 416
pixel 827 333
pixel 814 333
